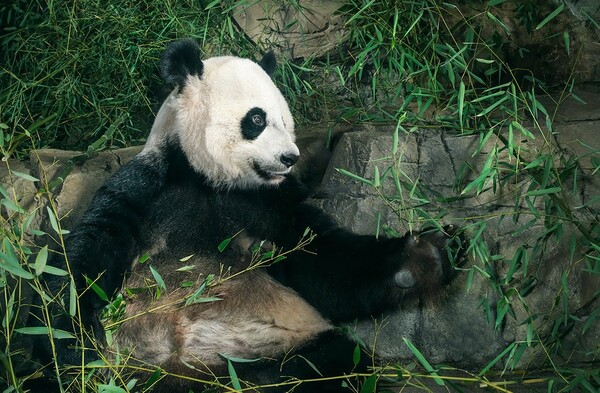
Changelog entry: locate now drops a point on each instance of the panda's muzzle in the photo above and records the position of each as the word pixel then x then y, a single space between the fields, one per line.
pixel 270 173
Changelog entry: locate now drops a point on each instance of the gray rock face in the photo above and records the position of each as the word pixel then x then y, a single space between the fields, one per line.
pixel 456 330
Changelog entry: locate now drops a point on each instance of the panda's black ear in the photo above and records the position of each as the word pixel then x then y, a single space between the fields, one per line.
pixel 180 59
pixel 268 63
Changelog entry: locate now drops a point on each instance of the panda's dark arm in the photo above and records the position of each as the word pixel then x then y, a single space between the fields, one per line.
pixel 106 240
pixel 347 276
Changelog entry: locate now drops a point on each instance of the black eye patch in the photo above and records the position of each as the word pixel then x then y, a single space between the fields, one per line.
pixel 254 123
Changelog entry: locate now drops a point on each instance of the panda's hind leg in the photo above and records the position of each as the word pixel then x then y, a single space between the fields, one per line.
pixel 311 368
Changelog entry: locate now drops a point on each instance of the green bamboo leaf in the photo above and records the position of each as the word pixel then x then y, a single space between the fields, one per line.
pixel 423 362
pixel 356 355
pixel 353 176
pixel 185 259
pixel 24 176
pixel 552 15
pixel 72 298
pixel 40 261
pixel 158 278
pixel 10 256
pixel 43 330
pixel 196 296
pixel 9 310
pixel 551 190
pixel 488 96
pixel 223 245
pixel 496 359
pixel 9 204
pixel 523 130
pixel 492 107
pixel 376 178
pixel 55 271
pixel 187 268
pixel 369 384
pixel 16 270
pixel 103 388
pixel 499 22
pixel 239 360
pixel 99 291
pixel 153 378
pixel 54 222
pixel 461 103
pixel 235 382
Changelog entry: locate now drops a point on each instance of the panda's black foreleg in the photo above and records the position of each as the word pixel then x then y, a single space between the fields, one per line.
pixel 100 248
pixel 347 276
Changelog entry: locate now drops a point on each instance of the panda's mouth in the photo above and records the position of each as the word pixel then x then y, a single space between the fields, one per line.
pixel 269 175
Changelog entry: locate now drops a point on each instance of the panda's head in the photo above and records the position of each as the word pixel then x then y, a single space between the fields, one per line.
pixel 232 123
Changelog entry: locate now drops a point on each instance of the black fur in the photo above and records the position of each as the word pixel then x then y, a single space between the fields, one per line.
pixel 180 59
pixel 268 63
pixel 254 123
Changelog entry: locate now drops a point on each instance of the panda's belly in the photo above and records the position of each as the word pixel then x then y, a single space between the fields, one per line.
pixel 257 318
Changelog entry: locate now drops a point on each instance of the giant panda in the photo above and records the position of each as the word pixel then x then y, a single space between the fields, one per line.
pixel 209 235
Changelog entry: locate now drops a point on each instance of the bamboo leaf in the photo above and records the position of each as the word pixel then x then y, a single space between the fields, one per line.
pixel 9 204
pixel 551 190
pixel 496 359
pixel 369 384
pixel 423 361
pixel 55 271
pixel 376 178
pixel 72 298
pixel 24 176
pixel 99 291
pixel 158 278
pixel 40 261
pixel 103 388
pixel 153 378
pixel 54 222
pixel 492 107
pixel 461 103
pixel 499 22
pixel 552 15
pixel 353 176
pixel 43 330
pixel 16 270
pixel 223 245
pixel 235 382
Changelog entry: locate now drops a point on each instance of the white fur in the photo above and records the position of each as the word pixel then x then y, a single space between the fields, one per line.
pixel 205 117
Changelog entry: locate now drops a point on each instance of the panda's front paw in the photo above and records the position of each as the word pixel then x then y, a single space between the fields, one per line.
pixel 428 260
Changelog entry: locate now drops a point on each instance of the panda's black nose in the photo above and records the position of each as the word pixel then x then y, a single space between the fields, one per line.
pixel 289 159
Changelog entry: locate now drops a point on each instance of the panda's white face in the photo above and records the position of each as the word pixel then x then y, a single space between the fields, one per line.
pixel 232 123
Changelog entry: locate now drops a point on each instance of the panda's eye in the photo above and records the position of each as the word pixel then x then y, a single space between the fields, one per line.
pixel 258 120
pixel 253 123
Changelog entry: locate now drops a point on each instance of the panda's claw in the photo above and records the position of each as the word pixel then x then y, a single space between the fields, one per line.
pixel 404 279
pixel 428 261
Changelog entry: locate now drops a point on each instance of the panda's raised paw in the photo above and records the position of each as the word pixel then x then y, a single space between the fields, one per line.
pixel 429 258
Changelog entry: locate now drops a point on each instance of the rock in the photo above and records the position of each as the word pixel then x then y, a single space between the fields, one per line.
pixel 457 331
pixel 296 30
pixel 79 181
pixel 21 191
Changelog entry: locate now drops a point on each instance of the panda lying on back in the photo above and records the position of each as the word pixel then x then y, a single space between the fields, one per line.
pixel 217 163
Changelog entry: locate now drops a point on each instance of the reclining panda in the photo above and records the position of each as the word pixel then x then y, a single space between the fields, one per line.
pixel 218 163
